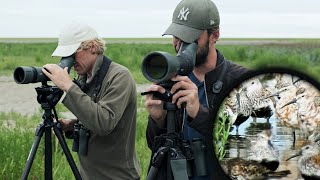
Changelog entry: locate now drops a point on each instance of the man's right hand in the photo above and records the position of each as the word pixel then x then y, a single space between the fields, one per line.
pixel 67 124
pixel 155 106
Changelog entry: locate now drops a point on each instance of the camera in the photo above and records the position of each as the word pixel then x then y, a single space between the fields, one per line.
pixel 30 74
pixel 161 66
pixel 80 137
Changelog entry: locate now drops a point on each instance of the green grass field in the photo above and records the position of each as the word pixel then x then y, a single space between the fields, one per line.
pixel 303 55
pixel 300 54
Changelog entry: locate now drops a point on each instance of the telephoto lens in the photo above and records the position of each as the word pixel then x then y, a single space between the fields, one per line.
pixel 161 66
pixel 30 74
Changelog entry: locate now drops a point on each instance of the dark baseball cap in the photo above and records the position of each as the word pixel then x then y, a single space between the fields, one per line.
pixel 191 18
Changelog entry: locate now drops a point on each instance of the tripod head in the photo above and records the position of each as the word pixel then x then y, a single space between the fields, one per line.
pixel 48 96
pixel 171 108
pixel 165 97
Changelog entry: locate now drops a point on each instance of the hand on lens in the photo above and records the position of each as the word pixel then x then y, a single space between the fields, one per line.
pixel 186 92
pixel 60 77
pixel 155 106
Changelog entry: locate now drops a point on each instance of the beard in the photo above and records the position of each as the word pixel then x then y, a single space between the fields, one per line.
pixel 202 54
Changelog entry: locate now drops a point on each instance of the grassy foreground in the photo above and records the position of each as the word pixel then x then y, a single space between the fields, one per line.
pixel 15 143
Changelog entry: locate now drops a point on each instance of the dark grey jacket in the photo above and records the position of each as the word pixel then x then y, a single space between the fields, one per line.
pixel 204 121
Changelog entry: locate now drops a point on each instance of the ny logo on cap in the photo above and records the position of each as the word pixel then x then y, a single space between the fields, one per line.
pixel 183 15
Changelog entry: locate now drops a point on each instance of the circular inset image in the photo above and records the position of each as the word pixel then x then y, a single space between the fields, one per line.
pixel 269 127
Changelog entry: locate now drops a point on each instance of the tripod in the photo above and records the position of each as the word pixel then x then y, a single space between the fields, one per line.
pixel 171 149
pixel 48 97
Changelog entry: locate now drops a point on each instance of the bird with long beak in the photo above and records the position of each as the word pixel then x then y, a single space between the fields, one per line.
pixel 288 115
pixel 309 162
pixel 308 110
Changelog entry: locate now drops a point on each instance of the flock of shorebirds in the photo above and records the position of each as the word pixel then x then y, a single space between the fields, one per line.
pixel 295 103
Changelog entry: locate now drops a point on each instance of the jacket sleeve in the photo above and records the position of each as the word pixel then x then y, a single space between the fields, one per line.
pixel 152 131
pixel 202 122
pixel 103 116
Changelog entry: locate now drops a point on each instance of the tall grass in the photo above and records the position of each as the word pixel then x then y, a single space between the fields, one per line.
pixel 14 150
pixel 13 55
pixel 142 149
pixel 16 144
pixel 302 56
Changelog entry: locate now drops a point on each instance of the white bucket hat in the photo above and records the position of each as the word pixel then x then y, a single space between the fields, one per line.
pixel 71 36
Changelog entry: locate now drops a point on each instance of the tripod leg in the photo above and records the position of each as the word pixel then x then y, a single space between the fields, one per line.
pixel 171 109
pixel 153 172
pixel 169 171
pixel 48 154
pixel 39 132
pixel 66 151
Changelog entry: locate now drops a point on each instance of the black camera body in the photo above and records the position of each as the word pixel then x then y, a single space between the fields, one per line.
pixel 80 136
pixel 80 139
pixel 30 74
pixel 161 66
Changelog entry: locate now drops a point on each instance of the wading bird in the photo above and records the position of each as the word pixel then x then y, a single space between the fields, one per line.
pixel 309 162
pixel 263 150
pixel 238 168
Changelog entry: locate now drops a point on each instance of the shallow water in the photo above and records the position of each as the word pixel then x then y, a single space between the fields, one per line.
pixel 238 146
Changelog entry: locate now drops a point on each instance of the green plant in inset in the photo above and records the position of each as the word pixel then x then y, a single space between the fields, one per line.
pixel 221 133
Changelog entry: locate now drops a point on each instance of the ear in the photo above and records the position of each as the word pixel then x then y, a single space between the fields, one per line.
pixel 93 49
pixel 214 36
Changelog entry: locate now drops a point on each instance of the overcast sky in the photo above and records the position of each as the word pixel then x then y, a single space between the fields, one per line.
pixel 150 18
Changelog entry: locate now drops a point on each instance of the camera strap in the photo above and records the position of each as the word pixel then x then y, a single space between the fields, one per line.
pixel 100 76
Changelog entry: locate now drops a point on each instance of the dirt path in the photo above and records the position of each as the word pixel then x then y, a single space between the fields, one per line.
pixel 22 98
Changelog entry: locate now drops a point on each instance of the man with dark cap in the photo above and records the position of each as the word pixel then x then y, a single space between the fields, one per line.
pixel 194 21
